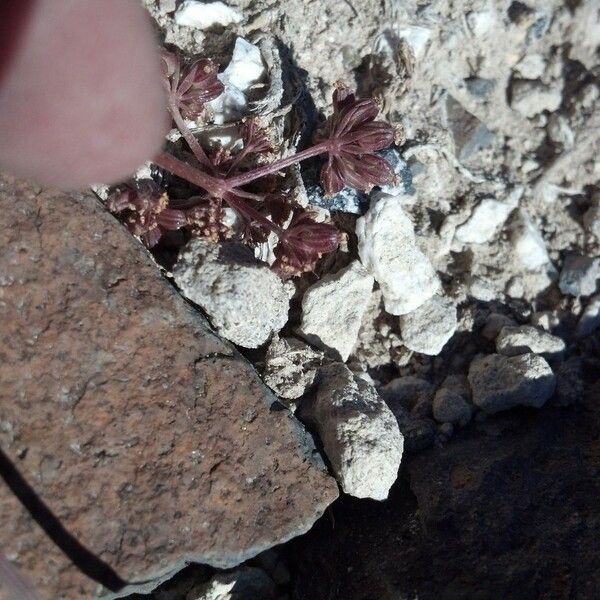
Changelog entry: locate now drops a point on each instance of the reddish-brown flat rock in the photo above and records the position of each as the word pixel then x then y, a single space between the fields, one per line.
pixel 149 440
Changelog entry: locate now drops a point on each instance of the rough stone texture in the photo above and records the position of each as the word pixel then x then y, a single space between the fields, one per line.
pixel 451 407
pixel 590 317
pixel 332 309
pixel 529 244
pixel 499 382
pixel 483 223
pixel 290 367
pixel 149 439
pixel 579 275
pixel 359 432
pixel 388 248
pixel 513 340
pixel 530 98
pixel 428 328
pixel 507 509
pixel 245 300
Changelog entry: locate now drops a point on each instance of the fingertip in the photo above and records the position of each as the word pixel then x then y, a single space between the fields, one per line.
pixel 82 101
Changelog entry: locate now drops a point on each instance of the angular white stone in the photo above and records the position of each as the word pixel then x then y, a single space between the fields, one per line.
pixel 520 339
pixel 246 301
pixel 500 382
pixel 529 98
pixel 290 367
pixel 387 247
pixel 203 15
pixel 590 317
pixel 529 244
pixel 428 328
pixel 332 309
pixel 485 220
pixel 245 69
pixel 360 434
pixel 579 275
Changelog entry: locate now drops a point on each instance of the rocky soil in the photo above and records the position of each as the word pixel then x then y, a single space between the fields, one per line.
pixel 444 358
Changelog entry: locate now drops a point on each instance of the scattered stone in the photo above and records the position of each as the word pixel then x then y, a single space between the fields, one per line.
pixel 591 218
pixel 521 339
pixel 531 66
pixel 469 134
pixel 429 327
pixel 545 319
pixel 245 583
pixel 333 307
pixel 579 275
pixel 495 322
pixel 590 317
pixel 479 87
pixel 245 70
pixel 359 433
pixel 530 98
pixel 407 392
pixel 388 248
pixel 446 430
pixel 499 382
pixel 451 407
pixel 485 220
pixel 418 433
pixel 348 200
pixel 141 429
pixel 402 171
pixel 290 367
pixel 203 15
pixel 246 302
pixel 529 244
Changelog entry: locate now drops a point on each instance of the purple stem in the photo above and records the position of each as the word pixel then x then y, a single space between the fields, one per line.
pixel 278 165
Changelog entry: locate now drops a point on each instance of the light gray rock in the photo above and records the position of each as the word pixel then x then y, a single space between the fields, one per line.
pixel 579 275
pixel 499 382
pixel 451 407
pixel 245 583
pixel 429 327
pixel 388 249
pixel 202 15
pixel 529 244
pixel 485 220
pixel 530 98
pixel 591 219
pixel 332 309
pixel 590 317
pixel 290 367
pixel 359 432
pixel 521 339
pixel 246 302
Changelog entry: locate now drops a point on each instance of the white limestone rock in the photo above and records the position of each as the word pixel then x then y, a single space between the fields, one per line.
pixel 332 309
pixel 245 301
pixel 360 434
pixel 501 382
pixel 290 367
pixel 388 248
pixel 529 244
pixel 240 584
pixel 513 340
pixel 530 98
pixel 485 220
pixel 579 275
pixel 429 327
pixel 589 320
pixel 245 70
pixel 203 15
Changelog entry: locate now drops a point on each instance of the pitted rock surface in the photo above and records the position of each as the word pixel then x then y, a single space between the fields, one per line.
pixel 150 440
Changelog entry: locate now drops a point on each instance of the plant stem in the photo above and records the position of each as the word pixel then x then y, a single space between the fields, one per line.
pixel 189 137
pixel 212 185
pixel 244 178
pixel 252 215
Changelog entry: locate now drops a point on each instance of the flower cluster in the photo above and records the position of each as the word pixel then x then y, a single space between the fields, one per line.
pixel 350 139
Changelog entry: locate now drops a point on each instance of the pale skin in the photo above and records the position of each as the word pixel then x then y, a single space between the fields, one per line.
pixel 81 98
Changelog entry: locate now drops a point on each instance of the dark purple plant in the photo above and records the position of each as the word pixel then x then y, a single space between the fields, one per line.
pixel 350 138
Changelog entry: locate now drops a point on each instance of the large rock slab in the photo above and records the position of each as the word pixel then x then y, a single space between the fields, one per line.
pixel 145 441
